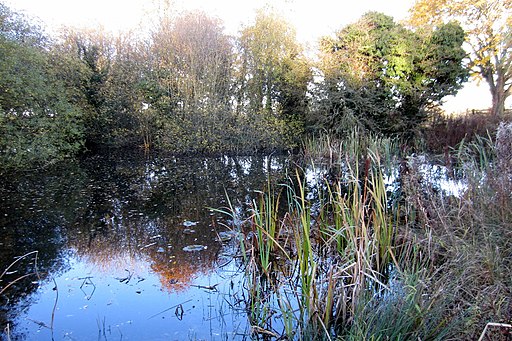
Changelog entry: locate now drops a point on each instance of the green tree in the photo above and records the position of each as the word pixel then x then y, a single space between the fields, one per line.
pixel 386 76
pixel 272 76
pixel 113 78
pixel 38 123
pixel 488 24
pixel 126 96
pixel 90 54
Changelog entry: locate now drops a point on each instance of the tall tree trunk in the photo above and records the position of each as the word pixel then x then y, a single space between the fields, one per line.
pixel 498 99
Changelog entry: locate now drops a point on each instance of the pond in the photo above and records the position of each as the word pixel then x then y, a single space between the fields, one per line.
pixel 127 248
pixel 133 247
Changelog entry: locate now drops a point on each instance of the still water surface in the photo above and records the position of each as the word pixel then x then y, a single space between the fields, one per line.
pixel 127 248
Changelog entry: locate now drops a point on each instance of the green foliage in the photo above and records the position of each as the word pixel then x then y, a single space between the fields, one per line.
pixel 488 26
pixel 387 76
pixel 15 26
pixel 404 312
pixel 88 58
pixel 38 124
pixel 188 87
pixel 273 75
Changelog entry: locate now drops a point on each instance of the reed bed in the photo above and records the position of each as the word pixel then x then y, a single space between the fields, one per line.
pixel 336 152
pixel 469 238
pixel 348 258
pixel 318 257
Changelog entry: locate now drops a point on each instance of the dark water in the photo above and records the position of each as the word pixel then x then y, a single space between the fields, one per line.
pixel 104 243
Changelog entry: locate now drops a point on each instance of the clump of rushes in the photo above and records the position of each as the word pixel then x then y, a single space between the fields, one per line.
pixel 264 223
pixel 357 228
pixel 313 265
pixel 353 148
pixel 357 216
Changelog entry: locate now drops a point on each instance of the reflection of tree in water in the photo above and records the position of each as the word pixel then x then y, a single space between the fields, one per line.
pixel 177 270
pixel 136 209
pixel 116 211
pixel 34 210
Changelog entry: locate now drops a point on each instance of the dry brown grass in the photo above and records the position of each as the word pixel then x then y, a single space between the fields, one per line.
pixel 446 132
pixel 469 238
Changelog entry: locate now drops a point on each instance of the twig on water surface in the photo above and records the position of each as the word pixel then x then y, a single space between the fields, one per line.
pixel 88 281
pixel 6 271
pixel 7 331
pixel 40 323
pixel 173 307
pixel 208 287
pixel 125 279
pixel 55 305
pixel 179 312
pixel 16 280
pixel 35 265
pixel 16 261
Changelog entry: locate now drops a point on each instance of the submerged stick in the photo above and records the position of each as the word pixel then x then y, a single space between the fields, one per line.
pixel 54 306
pixel 173 307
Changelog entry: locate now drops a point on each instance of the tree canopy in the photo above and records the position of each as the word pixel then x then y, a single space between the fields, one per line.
pixel 186 86
pixel 38 123
pixel 273 74
pixel 386 76
pixel 488 24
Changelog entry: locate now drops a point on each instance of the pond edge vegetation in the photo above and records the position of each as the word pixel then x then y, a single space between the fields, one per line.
pixel 356 263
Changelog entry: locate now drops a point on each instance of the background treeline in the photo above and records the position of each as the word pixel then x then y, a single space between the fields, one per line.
pixel 185 86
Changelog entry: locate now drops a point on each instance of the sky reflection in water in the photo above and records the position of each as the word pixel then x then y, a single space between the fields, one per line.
pixel 111 232
pixel 112 235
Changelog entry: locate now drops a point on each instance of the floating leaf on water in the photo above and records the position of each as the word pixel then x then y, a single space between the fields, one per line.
pixel 148 245
pixel 188 231
pixel 189 223
pixel 225 236
pixel 193 248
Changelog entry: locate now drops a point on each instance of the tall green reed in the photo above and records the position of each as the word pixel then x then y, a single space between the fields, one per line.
pixel 354 146
pixel 307 265
pixel 340 252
